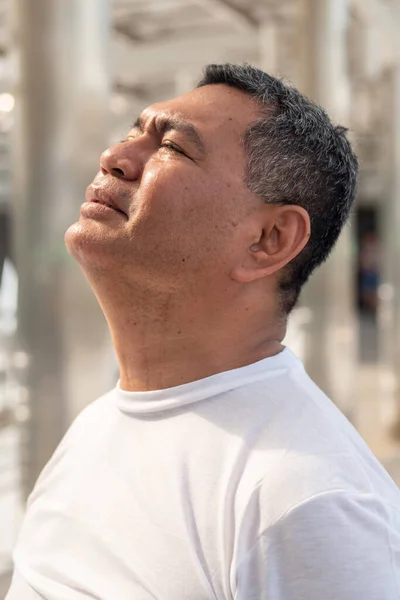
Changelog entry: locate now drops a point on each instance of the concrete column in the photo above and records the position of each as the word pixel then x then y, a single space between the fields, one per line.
pixel 61 128
pixel 389 301
pixel 330 336
pixel 269 42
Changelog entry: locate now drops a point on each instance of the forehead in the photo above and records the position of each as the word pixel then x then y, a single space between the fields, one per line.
pixel 212 109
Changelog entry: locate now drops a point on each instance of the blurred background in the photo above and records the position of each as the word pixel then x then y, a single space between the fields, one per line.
pixel 74 74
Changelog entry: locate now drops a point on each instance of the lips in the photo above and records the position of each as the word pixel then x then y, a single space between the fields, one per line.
pixel 107 204
pixel 100 196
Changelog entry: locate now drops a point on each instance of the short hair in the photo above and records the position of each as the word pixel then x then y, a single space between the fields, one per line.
pixel 295 155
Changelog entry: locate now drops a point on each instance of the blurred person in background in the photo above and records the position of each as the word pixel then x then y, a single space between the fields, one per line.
pixel 369 262
pixel 216 468
pixel 5 228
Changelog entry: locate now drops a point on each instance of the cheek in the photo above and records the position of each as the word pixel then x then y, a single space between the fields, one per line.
pixel 173 189
pixel 162 187
pixel 186 210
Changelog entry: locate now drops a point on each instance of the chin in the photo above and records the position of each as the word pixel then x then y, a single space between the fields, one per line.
pixel 71 237
pixel 86 245
pixel 76 238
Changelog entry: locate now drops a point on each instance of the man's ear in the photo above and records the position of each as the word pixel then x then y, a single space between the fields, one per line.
pixel 283 232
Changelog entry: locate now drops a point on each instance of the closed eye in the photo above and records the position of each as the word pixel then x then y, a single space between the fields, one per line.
pixel 172 147
pixel 168 145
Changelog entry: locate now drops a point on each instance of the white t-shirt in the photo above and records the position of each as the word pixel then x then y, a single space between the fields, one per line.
pixel 246 485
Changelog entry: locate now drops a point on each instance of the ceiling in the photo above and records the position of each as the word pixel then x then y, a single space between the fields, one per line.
pixel 160 46
pixel 166 42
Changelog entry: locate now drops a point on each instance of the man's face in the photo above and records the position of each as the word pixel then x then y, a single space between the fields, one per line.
pixel 178 179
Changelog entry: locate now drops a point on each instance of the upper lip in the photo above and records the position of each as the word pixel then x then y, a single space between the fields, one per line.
pixel 95 194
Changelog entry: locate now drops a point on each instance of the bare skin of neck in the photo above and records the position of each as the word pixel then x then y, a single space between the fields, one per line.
pixel 166 339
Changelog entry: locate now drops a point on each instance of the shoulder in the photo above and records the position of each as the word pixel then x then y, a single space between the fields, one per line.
pixel 97 413
pixel 301 446
pixel 87 426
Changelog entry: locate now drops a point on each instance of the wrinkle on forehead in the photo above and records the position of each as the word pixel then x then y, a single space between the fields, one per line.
pixel 214 107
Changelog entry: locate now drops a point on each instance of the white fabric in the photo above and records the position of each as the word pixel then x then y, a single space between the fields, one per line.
pixel 247 485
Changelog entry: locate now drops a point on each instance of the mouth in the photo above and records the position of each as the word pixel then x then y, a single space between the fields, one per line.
pixel 104 203
pixel 97 195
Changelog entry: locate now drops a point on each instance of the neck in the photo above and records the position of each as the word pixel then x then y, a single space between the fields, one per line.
pixel 166 339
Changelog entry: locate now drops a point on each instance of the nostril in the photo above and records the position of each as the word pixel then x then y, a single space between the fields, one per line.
pixel 118 172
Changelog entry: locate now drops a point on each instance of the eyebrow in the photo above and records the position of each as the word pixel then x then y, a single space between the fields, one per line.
pixel 165 123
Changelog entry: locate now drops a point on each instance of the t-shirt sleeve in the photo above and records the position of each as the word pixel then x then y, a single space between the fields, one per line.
pixel 335 546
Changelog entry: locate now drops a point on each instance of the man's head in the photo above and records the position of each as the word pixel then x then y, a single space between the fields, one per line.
pixel 220 186
pixel 295 156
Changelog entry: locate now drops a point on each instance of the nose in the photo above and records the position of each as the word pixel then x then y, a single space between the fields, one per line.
pixel 121 162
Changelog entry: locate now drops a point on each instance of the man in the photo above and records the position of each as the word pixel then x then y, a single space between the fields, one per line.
pixel 216 469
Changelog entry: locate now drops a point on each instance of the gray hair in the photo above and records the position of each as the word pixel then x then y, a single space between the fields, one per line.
pixel 295 156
